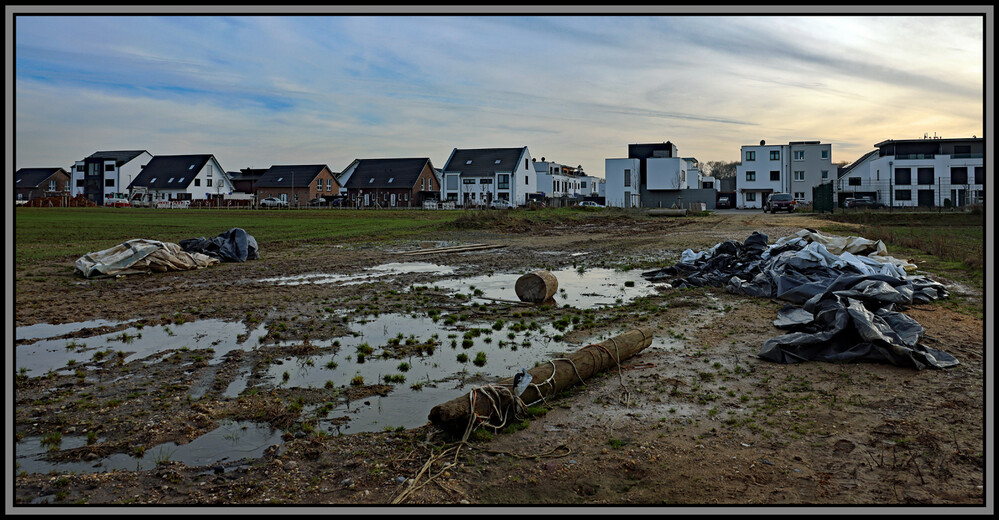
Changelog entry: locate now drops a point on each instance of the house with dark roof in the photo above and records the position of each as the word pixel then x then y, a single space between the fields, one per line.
pixel 477 176
pixel 297 184
pixel 32 183
pixel 103 174
pixel 180 178
pixel 245 180
pixel 392 183
pixel 927 172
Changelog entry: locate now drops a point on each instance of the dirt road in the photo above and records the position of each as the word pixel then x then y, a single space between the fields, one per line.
pixel 699 419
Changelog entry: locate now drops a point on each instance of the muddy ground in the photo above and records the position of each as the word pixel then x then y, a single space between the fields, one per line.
pixel 704 423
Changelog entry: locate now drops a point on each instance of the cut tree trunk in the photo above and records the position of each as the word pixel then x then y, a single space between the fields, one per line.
pixel 453 415
pixel 536 286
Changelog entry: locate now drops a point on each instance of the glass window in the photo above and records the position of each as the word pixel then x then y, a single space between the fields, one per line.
pixel 774 175
pixel 774 155
pixel 109 167
pixel 209 184
pixel 751 156
pixel 903 176
pixel 854 181
pixel 109 183
pixel 903 194
pixel 503 182
pixel 825 174
pixel 959 175
pixel 825 154
pixel 799 175
pixel 979 175
pixel 751 196
pixel 750 176
pixel 924 176
pixel 627 177
pixel 799 155
pixel 197 181
pixel 799 195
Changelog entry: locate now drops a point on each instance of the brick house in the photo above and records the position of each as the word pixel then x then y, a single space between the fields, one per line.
pixel 297 184
pixel 33 183
pixel 391 183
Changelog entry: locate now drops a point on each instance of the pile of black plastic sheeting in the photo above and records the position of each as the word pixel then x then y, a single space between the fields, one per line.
pixel 235 245
pixel 843 307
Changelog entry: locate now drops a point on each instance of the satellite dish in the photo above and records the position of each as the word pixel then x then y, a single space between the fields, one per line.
pixel 762 142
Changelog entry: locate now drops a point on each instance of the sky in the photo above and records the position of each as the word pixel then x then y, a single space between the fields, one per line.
pixel 257 91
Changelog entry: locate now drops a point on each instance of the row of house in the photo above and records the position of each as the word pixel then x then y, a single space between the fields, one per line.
pixel 469 177
pixel 910 172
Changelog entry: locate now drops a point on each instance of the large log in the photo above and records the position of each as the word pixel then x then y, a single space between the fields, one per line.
pixel 536 286
pixel 547 380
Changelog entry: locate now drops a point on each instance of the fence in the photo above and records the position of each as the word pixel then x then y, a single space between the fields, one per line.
pixel 940 194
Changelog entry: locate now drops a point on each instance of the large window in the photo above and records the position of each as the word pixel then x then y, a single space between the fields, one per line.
pixel 750 176
pixel 903 194
pixel 751 156
pixel 959 175
pixel 924 176
pixel 903 177
pixel 109 183
pixel 452 182
pixel 503 182
pixel 854 181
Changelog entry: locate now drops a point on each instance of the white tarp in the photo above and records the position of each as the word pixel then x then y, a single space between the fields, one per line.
pixel 863 253
pixel 140 256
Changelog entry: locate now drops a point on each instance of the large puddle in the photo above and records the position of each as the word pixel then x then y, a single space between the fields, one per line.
pixel 369 275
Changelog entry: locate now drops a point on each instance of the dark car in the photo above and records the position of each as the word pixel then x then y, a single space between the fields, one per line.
pixel 864 202
pixel 723 203
pixel 779 202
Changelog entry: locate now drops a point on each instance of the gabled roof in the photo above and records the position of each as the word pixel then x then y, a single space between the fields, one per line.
pixel 120 157
pixel 387 173
pixel 848 168
pixel 171 172
pixel 483 162
pixel 32 177
pixel 247 174
pixel 282 176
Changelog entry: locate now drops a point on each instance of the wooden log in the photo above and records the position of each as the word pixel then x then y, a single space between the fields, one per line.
pixel 536 286
pixel 547 380
pixel 668 212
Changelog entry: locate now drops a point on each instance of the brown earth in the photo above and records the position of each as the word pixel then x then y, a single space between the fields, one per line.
pixel 702 421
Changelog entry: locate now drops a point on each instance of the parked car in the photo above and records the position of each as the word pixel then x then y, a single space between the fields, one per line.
pixel 779 202
pixel 273 202
pixel 864 202
pixel 317 202
pixel 501 204
pixel 723 203
pixel 590 204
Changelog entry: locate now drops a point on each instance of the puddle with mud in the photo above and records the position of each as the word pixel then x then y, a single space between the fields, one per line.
pixel 232 441
pixel 376 273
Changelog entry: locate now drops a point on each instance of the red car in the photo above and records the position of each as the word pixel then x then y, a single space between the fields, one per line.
pixel 779 202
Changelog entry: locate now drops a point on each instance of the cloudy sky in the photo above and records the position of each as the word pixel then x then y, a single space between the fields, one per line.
pixel 576 89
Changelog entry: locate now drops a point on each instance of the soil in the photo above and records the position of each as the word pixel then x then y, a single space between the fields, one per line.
pixel 702 422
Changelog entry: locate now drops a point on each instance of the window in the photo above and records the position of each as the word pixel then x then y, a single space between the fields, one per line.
pixel 750 176
pixel 370 181
pixel 799 195
pixel 152 181
pixel 774 155
pixel 799 175
pixel 924 176
pixel 497 161
pixel 527 180
pixel 197 181
pixel 109 167
pixel 627 177
pixel 825 174
pixel 452 182
pixel 468 161
pixel 208 184
pixel 583 184
pixel 329 184
pixel 52 185
pixel 109 183
pixel 774 175
pixel 526 164
pixel 825 154
pixel 979 175
pixel 79 168
pixel 171 180
pixel 959 175
pixel 903 194
pixel 854 181
pixel 551 170
pixel 181 181
pixel 750 156
pixel 485 181
pixel 468 181
pixel 503 182
pixel 751 196
pixel 903 176
pixel 209 172
pixel 79 183
pixel 390 179
pixel 799 155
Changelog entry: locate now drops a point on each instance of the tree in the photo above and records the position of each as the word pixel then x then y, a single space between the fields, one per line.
pixel 721 169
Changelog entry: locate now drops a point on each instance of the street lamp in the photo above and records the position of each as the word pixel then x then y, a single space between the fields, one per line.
pixel 891 187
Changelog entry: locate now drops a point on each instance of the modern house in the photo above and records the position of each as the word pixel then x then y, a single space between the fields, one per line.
pixel 663 178
pixel 180 178
pixel 33 183
pixel 477 176
pixel 103 175
pixel 297 184
pixel 393 183
pixel 929 172
pixel 793 168
pixel 557 180
pixel 622 182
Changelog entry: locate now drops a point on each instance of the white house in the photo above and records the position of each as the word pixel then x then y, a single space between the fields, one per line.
pixel 106 173
pixel 477 176
pixel 622 182
pixel 559 180
pixel 793 168
pixel 666 173
pixel 181 177
pixel 930 172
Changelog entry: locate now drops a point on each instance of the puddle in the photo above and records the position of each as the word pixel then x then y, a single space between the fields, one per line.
pixel 578 288
pixel 369 275
pixel 231 441
pixel 48 330
pixel 137 342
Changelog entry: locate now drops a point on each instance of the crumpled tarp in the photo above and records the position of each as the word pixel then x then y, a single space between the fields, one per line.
pixel 140 256
pixel 844 295
pixel 235 245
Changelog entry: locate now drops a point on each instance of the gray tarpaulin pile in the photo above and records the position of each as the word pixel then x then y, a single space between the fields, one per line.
pixel 234 245
pixel 844 294
pixel 140 256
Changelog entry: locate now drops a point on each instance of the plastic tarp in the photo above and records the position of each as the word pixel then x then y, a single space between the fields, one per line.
pixel 235 245
pixel 844 296
pixel 140 256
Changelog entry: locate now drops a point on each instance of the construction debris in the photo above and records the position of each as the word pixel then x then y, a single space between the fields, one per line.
pixel 140 256
pixel 235 245
pixel 452 249
pixel 845 295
